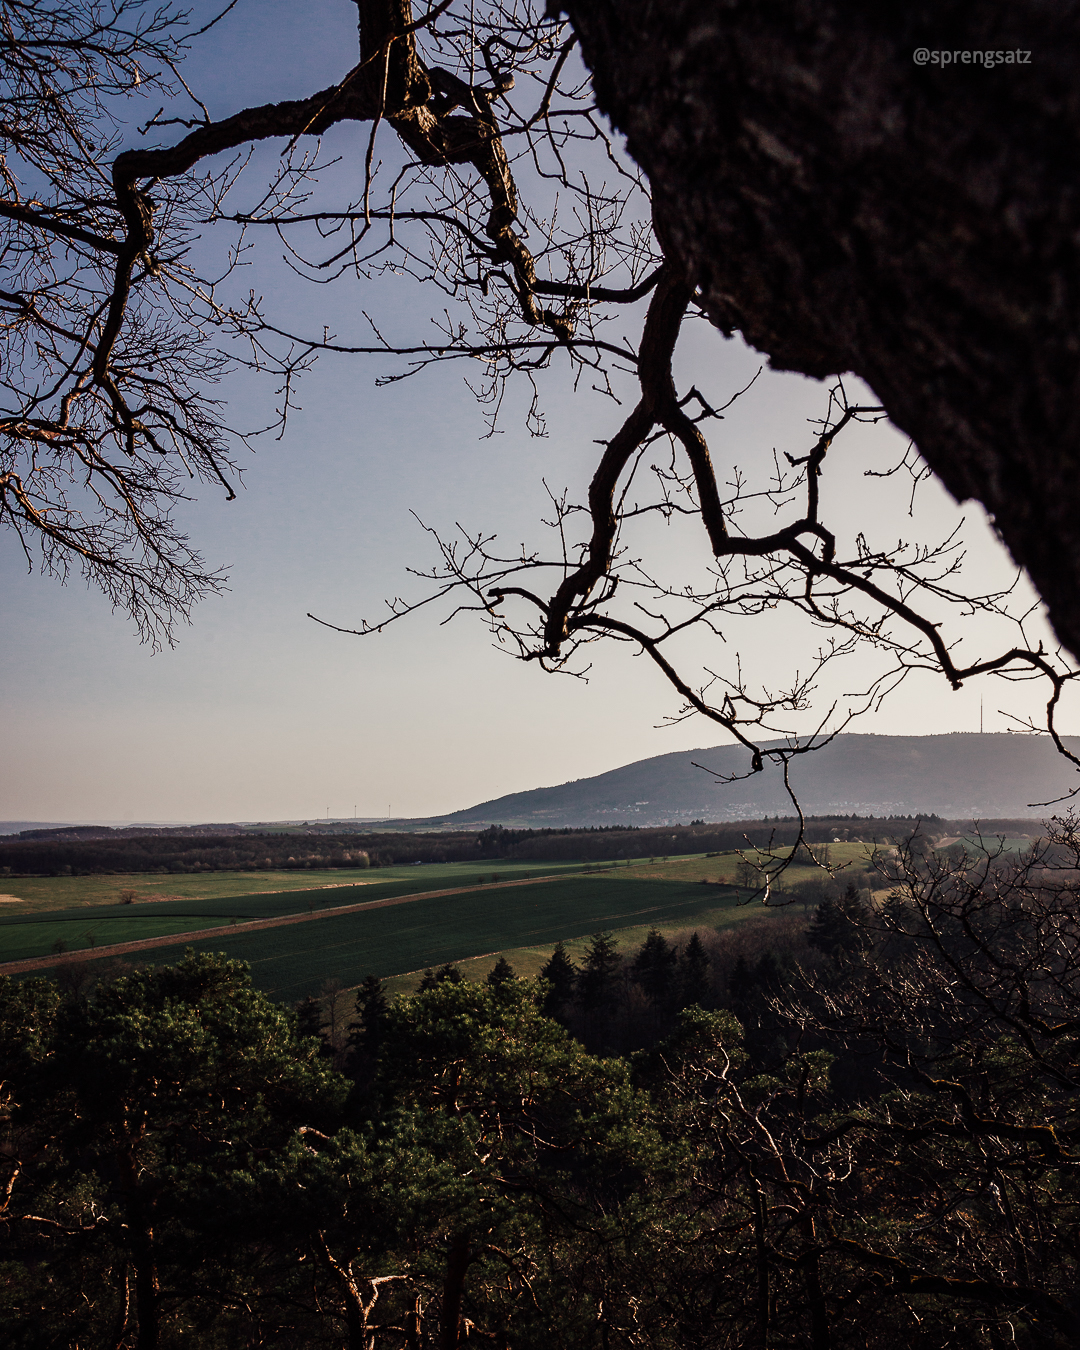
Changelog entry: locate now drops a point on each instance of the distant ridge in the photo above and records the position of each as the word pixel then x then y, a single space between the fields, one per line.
pixel 957 776
pixel 14 826
pixel 962 775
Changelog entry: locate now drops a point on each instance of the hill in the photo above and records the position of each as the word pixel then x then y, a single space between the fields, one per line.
pixel 962 775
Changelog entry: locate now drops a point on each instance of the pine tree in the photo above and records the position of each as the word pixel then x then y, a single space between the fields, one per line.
pixel 768 975
pixel 838 927
pixel 500 972
pixel 597 979
pixel 372 1005
pixel 696 987
pixel 432 979
pixel 741 987
pixel 311 1021
pixel 561 974
pixel 597 985
pixel 654 970
pixel 766 1039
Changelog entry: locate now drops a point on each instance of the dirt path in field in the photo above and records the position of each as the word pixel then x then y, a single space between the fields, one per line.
pixel 251 926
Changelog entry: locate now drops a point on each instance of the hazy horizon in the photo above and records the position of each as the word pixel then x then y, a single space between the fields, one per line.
pixel 13 825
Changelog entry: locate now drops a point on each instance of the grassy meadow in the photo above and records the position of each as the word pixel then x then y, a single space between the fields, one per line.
pixel 21 895
pixel 396 942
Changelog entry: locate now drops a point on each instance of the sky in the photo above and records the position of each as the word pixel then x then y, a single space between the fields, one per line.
pixel 259 714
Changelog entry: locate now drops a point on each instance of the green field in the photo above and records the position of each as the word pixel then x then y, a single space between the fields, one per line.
pixel 20 941
pixel 430 932
pixel 295 960
pixel 28 933
pixel 22 895
pixel 523 922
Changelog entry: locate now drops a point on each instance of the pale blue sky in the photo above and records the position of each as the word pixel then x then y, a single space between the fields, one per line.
pixel 258 713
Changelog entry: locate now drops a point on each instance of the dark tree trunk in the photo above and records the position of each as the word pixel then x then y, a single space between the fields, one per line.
pixel 457 1265
pixel 139 1208
pixel 849 210
pixel 146 1295
pixel 125 1310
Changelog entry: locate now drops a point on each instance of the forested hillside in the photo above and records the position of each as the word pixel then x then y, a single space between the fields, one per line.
pixel 962 775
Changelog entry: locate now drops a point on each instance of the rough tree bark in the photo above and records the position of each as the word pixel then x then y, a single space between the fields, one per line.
pixel 849 210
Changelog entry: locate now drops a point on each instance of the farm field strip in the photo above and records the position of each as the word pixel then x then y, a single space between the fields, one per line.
pixel 26 941
pixel 164 892
pixel 246 895
pixel 154 888
pixel 552 913
pixel 291 961
pixel 403 924
pixel 34 934
pixel 274 904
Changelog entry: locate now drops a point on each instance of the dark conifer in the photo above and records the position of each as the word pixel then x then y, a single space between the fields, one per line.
pixel 654 970
pixel 372 1005
pixel 696 987
pixel 768 975
pixel 598 991
pixel 741 987
pixel 838 927
pixel 433 978
pixel 561 974
pixel 597 979
pixel 311 1020
pixel 500 972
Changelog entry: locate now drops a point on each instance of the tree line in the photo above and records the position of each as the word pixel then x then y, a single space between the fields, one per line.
pixel 868 1138
pixel 63 855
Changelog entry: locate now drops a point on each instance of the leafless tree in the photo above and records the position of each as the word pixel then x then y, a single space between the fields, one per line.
pixel 488 178
pixel 105 409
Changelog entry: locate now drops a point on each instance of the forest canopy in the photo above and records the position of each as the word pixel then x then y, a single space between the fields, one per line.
pixel 856 1129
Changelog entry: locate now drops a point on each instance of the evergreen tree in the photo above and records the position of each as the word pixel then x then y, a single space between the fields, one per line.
pixel 500 972
pixel 597 985
pixel 311 1021
pixel 696 987
pixel 561 974
pixel 838 927
pixel 741 987
pixel 165 1095
pixel 365 1031
pixel 518 1141
pixel 768 975
pixel 750 989
pixel 654 970
pixel 432 979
